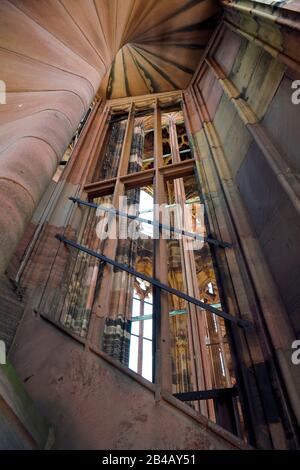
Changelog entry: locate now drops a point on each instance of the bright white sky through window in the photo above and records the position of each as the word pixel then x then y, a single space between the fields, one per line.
pixel 146 212
pixel 147 338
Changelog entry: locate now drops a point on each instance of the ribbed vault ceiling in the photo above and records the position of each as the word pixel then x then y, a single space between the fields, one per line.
pixel 158 45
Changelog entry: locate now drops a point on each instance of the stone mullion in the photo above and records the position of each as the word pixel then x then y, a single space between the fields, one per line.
pixel 198 350
pixel 102 302
pixel 163 365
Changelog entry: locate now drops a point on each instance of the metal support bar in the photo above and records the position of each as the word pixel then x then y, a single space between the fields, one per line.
pixel 209 240
pixel 224 393
pixel 155 282
pixel 224 404
pixel 149 316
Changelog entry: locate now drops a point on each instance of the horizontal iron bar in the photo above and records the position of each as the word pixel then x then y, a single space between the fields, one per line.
pixel 155 282
pixel 172 313
pixel 152 222
pixel 208 394
pixel 141 318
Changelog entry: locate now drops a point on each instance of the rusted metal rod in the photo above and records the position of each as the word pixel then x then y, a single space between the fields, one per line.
pixel 209 240
pixel 240 322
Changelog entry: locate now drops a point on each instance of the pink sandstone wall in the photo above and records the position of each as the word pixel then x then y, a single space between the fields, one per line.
pixel 93 405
